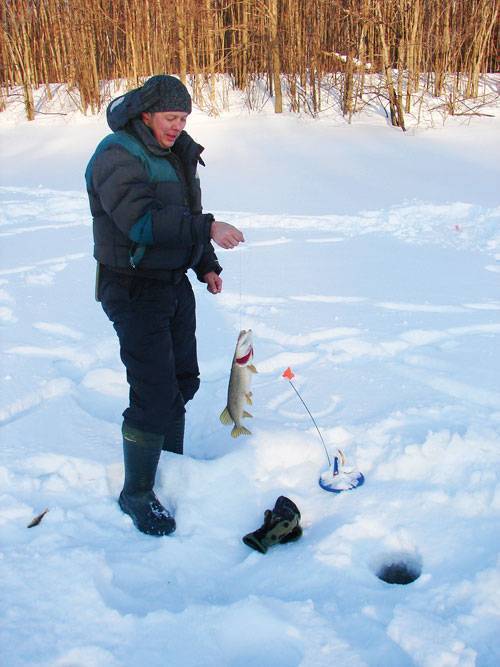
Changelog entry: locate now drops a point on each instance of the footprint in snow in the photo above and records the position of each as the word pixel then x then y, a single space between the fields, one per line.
pixel 102 393
pixel 25 404
pixel 7 315
pixel 326 239
pixel 420 308
pixel 58 330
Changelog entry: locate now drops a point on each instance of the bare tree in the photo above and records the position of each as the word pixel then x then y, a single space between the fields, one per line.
pixel 294 50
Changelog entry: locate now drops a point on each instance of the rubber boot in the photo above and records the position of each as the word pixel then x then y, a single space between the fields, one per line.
pixel 141 453
pixel 174 437
pixel 281 525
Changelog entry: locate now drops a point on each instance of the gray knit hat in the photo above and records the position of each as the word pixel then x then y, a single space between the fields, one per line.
pixel 166 94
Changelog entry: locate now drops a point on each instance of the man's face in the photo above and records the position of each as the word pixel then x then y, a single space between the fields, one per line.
pixel 165 125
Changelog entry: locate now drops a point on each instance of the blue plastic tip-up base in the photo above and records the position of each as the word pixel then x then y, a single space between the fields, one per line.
pixel 336 482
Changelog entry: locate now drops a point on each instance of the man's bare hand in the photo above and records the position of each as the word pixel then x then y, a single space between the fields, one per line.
pixel 214 282
pixel 225 235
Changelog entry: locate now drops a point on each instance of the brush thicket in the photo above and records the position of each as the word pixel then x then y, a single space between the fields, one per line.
pixel 298 52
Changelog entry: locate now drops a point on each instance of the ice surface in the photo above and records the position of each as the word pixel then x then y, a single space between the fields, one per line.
pixel 372 268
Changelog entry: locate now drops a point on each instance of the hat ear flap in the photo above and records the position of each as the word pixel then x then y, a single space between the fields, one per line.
pixel 124 108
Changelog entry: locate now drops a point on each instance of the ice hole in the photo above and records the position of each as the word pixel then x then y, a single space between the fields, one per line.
pixel 400 567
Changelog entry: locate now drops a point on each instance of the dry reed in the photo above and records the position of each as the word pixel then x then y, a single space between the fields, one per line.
pixel 291 47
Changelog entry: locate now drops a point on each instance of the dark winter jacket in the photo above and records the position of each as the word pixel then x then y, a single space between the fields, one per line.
pixel 146 204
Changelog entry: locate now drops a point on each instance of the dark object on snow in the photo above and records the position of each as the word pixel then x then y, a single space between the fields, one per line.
pixel 398 573
pixel 34 522
pixel 141 453
pixel 280 525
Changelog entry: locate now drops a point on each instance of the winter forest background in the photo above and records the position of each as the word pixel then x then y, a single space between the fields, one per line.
pixel 371 266
pixel 308 56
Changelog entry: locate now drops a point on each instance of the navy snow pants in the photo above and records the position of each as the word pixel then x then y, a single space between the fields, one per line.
pixel 156 324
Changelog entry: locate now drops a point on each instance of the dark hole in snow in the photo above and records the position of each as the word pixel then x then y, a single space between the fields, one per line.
pixel 399 568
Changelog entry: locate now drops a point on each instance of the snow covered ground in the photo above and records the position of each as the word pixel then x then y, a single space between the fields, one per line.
pixel 372 267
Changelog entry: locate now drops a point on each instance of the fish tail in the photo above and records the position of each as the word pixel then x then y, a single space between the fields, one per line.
pixel 240 430
pixel 225 416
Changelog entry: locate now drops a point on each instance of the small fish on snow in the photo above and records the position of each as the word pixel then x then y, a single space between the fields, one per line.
pixel 37 520
pixel 238 393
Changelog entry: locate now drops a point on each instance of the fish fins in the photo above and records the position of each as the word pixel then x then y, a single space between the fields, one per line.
pixel 249 398
pixel 252 368
pixel 246 414
pixel 225 417
pixel 240 430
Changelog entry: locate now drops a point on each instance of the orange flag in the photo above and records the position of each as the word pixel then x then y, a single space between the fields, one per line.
pixel 288 374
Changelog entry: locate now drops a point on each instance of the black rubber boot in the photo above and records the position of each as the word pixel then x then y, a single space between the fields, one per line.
pixel 174 437
pixel 141 453
pixel 280 525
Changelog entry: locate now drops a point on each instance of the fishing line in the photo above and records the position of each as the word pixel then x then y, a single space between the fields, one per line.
pixel 313 420
pixel 241 282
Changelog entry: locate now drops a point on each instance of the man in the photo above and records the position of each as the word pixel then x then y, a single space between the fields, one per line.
pixel 149 228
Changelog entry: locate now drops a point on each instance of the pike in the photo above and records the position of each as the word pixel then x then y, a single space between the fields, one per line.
pixel 238 392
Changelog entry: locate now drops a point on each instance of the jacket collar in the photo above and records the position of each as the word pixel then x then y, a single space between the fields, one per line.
pixel 146 137
pixel 185 147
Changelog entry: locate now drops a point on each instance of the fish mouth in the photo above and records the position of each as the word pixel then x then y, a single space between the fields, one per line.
pixel 242 361
pixel 245 338
pixel 244 347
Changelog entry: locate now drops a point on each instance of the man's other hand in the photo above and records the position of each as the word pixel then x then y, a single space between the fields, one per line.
pixel 214 282
pixel 225 235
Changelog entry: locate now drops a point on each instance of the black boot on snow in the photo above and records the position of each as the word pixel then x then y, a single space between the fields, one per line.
pixel 174 437
pixel 280 525
pixel 141 453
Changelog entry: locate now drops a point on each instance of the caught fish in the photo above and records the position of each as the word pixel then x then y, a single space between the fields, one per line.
pixel 238 392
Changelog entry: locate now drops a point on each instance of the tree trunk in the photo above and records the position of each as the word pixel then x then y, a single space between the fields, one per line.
pixel 397 116
pixel 181 39
pixel 275 55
